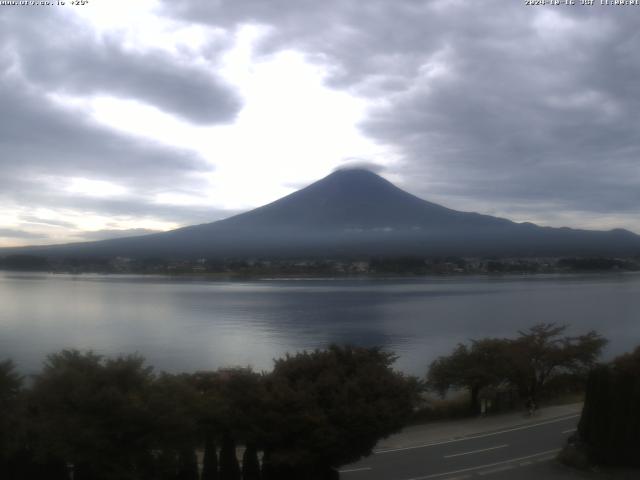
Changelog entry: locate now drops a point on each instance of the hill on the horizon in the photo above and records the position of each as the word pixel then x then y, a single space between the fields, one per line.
pixel 354 213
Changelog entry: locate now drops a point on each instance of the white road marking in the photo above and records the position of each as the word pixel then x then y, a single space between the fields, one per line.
pixel 475 451
pixel 480 467
pixel 571 430
pixel 473 437
pixel 351 470
pixel 496 470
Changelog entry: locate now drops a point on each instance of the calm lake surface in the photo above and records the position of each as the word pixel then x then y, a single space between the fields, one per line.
pixel 182 324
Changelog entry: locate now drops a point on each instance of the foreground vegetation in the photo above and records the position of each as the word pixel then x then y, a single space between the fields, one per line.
pixel 609 428
pixel 88 417
pixel 540 363
pixel 108 419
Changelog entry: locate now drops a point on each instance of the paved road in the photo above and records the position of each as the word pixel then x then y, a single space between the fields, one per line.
pixel 494 454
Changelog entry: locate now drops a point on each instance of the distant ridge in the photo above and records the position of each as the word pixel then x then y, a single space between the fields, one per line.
pixel 354 213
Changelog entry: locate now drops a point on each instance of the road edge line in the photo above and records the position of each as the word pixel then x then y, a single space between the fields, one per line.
pixel 474 436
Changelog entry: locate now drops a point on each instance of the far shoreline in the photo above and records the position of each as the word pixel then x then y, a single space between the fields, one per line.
pixel 239 277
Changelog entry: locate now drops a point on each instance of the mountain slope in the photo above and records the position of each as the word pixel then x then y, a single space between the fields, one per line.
pixel 354 199
pixel 355 213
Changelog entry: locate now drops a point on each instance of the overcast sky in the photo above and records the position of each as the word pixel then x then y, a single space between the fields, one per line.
pixel 122 117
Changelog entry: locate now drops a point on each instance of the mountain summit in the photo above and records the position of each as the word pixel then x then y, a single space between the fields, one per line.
pixel 352 198
pixel 354 212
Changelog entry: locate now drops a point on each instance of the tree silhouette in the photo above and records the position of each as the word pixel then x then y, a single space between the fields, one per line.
pixel 482 364
pixel 541 352
pixel 329 407
pixel 210 459
pixel 11 426
pixel 229 467
pixel 100 418
pixel 527 363
pixel 173 402
pixel 92 413
pixel 250 463
pixel 610 423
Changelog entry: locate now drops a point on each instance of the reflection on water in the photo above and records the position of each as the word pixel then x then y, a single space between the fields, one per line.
pixel 187 324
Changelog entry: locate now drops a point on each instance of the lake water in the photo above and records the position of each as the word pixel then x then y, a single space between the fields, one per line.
pixel 182 324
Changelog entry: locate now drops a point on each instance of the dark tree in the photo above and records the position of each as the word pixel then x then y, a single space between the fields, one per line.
pixel 167 465
pixel 229 467
pixel 174 402
pixel 92 413
pixel 250 463
pixel 37 468
pixel 629 363
pixel 231 409
pixel 542 352
pixel 11 422
pixel 480 365
pixel 242 404
pixel 330 407
pixel 187 464
pixel 610 423
pixel 10 382
pixel 527 363
pixel 210 459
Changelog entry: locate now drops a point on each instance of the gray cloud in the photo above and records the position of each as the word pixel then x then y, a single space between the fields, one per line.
pixel 519 119
pixel 43 145
pixel 136 206
pixel 522 110
pixel 44 221
pixel 353 163
pixel 357 40
pixel 40 138
pixel 105 66
pixel 115 233
pixel 13 233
